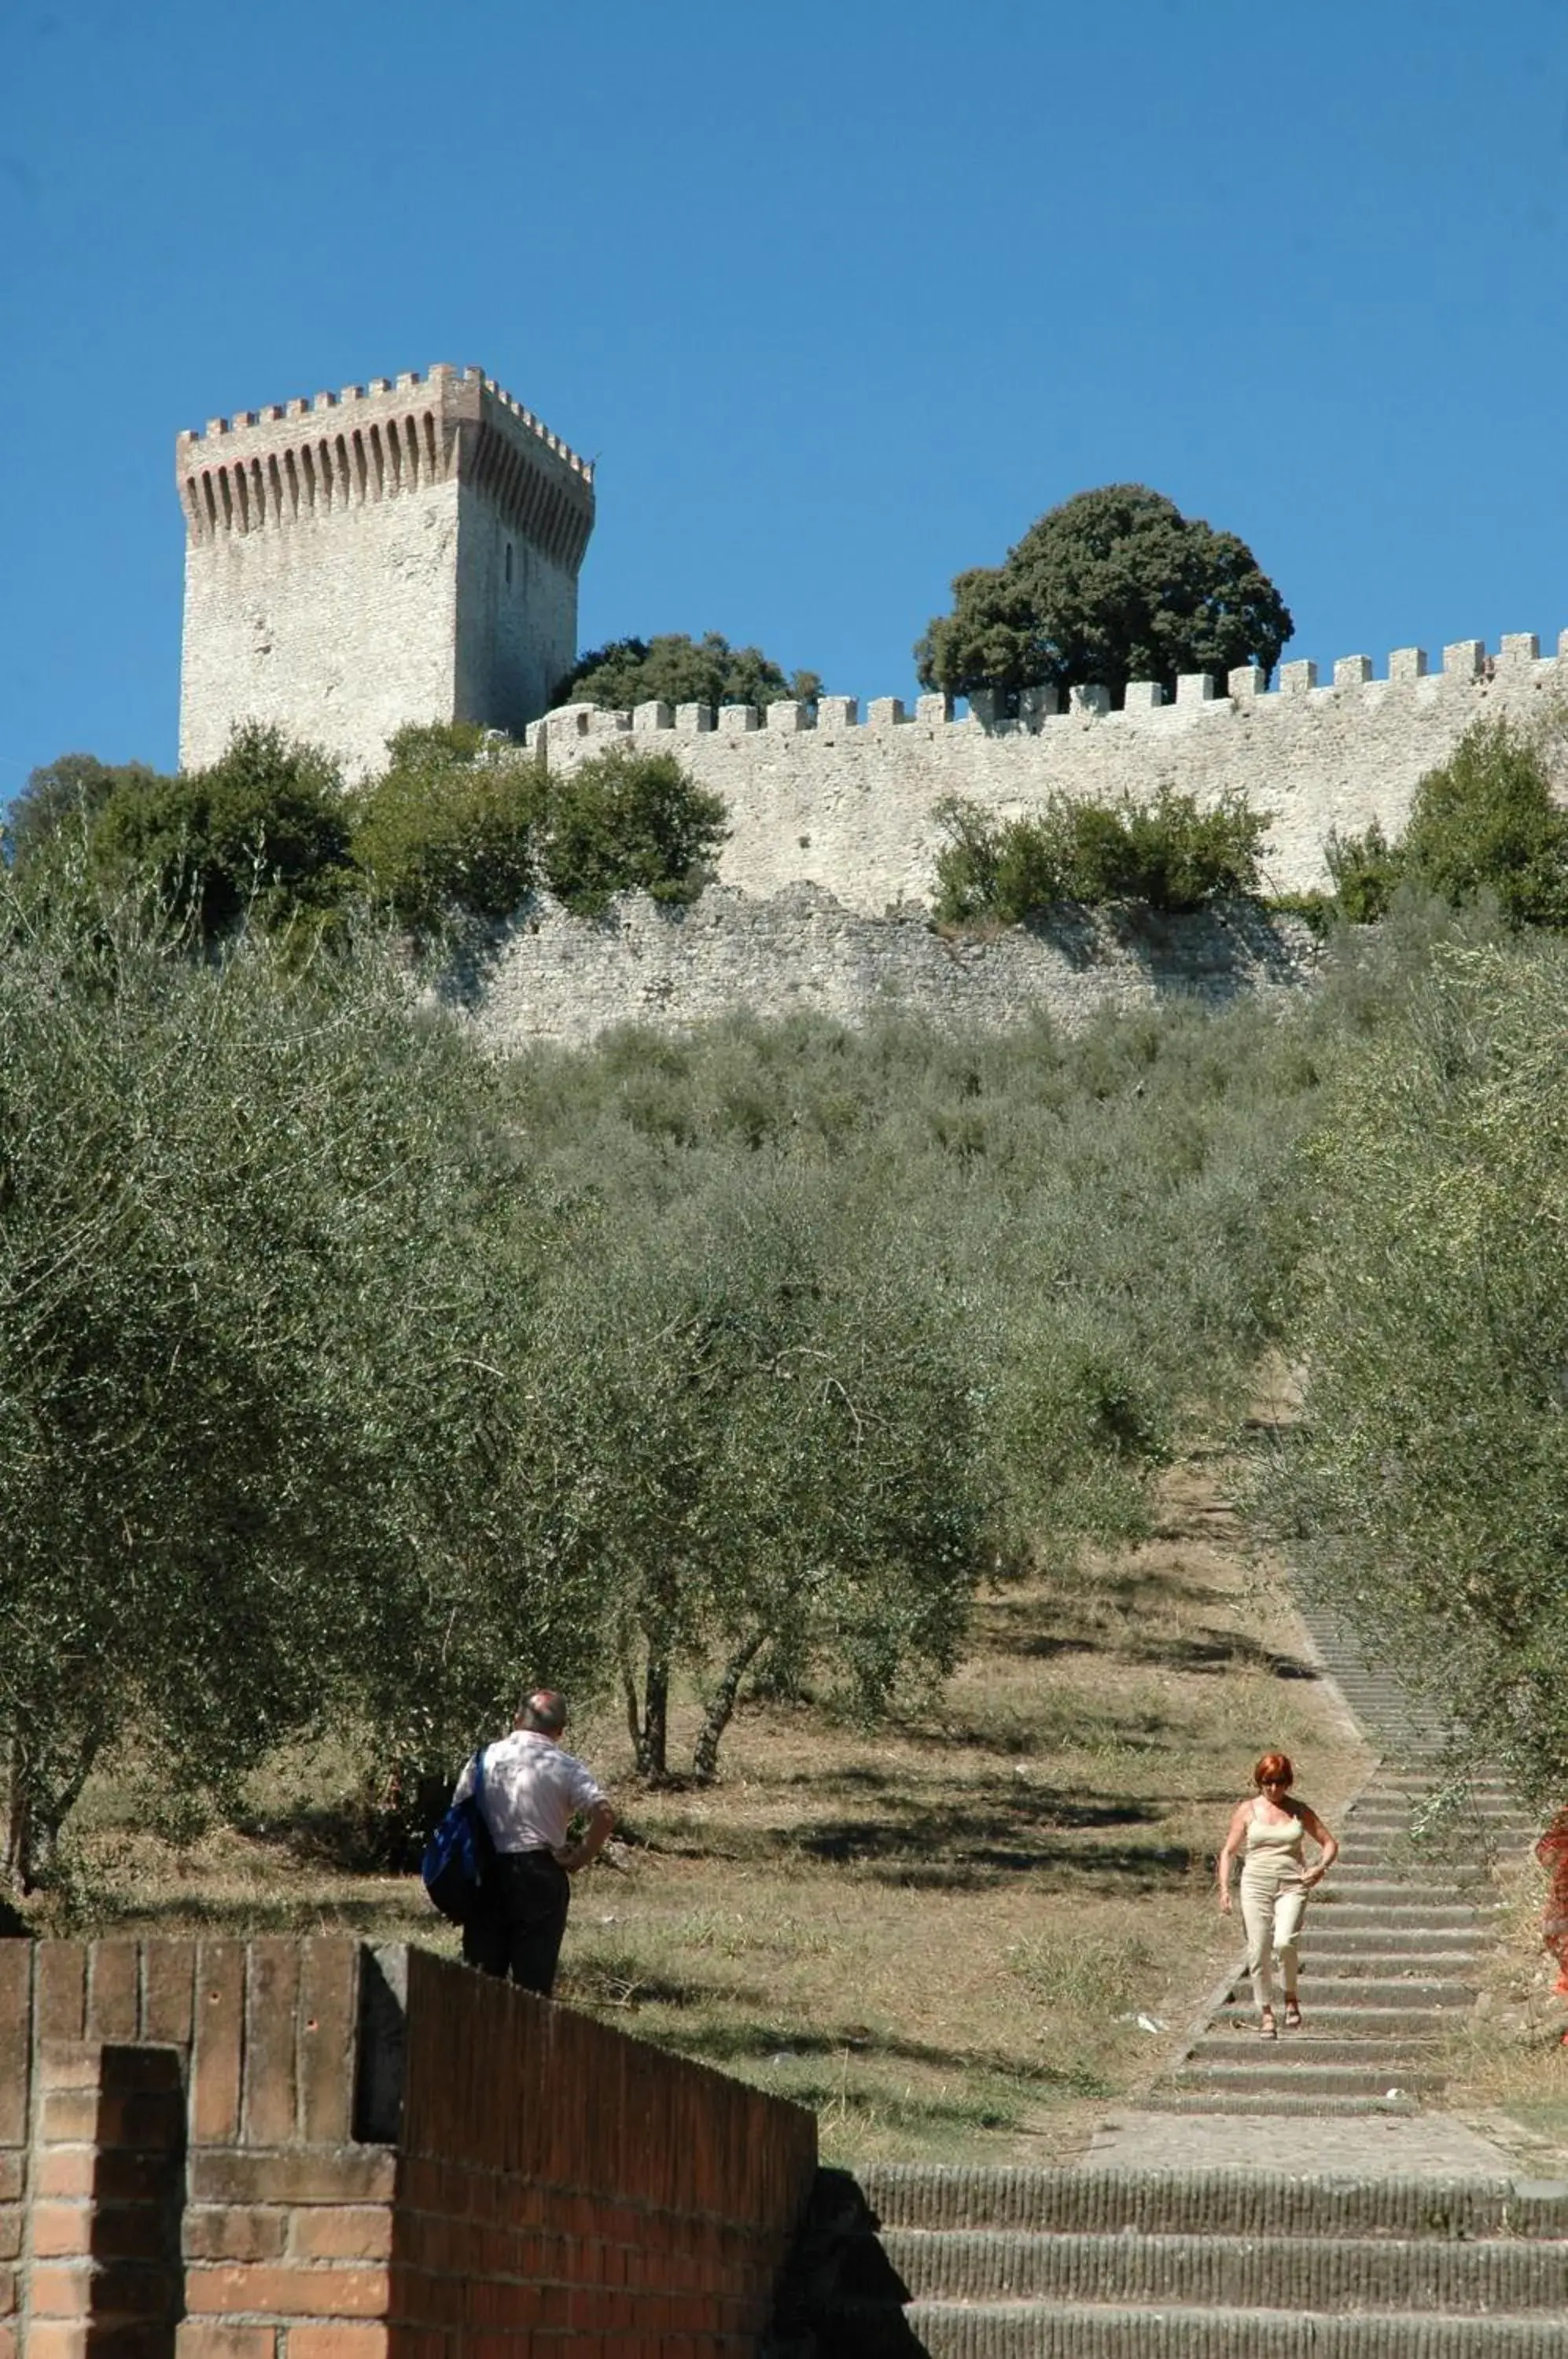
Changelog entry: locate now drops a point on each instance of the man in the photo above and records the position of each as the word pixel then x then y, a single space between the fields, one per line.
pixel 532 1792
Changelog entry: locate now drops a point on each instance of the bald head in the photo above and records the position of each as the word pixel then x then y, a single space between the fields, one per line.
pixel 543 1711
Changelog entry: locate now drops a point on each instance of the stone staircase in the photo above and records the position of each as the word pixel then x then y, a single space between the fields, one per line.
pixel 1235 2264
pixel 1252 2259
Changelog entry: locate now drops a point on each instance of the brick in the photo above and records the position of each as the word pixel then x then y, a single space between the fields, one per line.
pixel 236 2231
pixel 324 2175
pixel 168 1969
pixel 8 2287
pixel 218 2043
pixel 112 2176
pixel 62 2002
pixel 10 2177
pixel 139 2118
pixel 56 2338
pixel 329 2032
pixel 286 2292
pixel 9 2339
pixel 61 2289
pixel 62 2228
pixel 69 2116
pixel 341 2232
pixel 271 2046
pixel 16 2039
pixel 210 2338
pixel 113 1990
pixel 68 2064
pixel 130 2231
pixel 12 2219
pixel 337 2341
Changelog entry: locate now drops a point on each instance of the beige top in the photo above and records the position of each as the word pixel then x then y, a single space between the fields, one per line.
pixel 1278 1839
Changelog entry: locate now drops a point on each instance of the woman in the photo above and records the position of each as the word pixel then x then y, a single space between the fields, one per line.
pixel 1268 1831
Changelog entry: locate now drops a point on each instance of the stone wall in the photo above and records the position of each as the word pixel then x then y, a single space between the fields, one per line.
pixel 552 977
pixel 405 552
pixel 845 804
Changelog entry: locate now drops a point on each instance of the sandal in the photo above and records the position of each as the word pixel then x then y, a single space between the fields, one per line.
pixel 1265 2023
pixel 1292 2016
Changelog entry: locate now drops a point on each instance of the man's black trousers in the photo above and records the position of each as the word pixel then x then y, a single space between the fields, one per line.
pixel 520 1919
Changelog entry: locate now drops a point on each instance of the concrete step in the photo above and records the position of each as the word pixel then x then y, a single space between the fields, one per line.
pixel 1307 2046
pixel 1403 1916
pixel 1070 2331
pixel 1243 2199
pixel 1300 2079
pixel 1174 2097
pixel 1354 1988
pixel 1349 2022
pixel 1497 2273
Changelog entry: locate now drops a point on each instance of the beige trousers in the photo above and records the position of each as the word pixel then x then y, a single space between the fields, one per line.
pixel 1272 1906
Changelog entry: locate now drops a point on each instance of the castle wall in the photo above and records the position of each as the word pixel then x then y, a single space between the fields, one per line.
pixel 562 980
pixel 847 804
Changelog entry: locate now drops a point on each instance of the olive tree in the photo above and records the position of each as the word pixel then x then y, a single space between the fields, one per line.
pixel 762 1432
pixel 262 1303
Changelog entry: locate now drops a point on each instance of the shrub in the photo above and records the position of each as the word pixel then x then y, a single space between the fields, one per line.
pixel 449 826
pixel 263 832
pixel 628 822
pixel 1485 821
pixel 678 669
pixel 1170 854
pixel 1367 871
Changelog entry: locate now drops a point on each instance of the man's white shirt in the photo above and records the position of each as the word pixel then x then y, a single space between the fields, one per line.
pixel 532 1791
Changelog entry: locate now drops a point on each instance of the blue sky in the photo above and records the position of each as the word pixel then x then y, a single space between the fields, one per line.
pixel 841 297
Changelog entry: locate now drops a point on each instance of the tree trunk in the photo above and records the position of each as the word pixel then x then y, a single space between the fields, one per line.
pixel 36 1815
pixel 721 1707
pixel 652 1739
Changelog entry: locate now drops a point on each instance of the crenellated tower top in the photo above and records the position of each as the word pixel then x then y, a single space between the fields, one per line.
pixel 368 443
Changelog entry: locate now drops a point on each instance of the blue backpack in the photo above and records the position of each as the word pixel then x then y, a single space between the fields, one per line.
pixel 461 1854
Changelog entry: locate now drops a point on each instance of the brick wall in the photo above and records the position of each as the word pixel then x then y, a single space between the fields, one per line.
pixel 303 2150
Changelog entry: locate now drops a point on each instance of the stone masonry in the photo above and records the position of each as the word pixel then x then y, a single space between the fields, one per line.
pixel 828 798
pixel 401 552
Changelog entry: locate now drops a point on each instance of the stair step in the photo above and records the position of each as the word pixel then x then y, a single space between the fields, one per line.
pixel 1307 2046
pixel 1369 2079
pixel 1248 2272
pixel 1173 2097
pixel 1070 2331
pixel 1246 2198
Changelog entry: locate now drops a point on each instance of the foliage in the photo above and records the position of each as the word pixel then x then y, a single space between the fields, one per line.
pixel 767 1435
pixel 1483 824
pixel 1367 871
pixel 448 828
pixel 1114 585
pixel 678 669
pixel 1170 854
pixel 628 822
pixel 263 1300
pixel 1484 821
pixel 263 833
pixel 1427 1489
pixel 63 798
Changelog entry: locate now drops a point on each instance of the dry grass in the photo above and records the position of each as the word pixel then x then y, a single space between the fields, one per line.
pixel 1507 2065
pixel 940 1934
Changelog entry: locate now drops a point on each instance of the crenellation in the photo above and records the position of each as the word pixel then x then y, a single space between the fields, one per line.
pixel 693 720
pixel 1464 658
pixel 737 720
pixel 1195 687
pixel 885 713
pixel 1143 696
pixel 837 712
pixel 1408 664
pixel 787 717
pixel 1518 647
pixel 1091 700
pixel 656 715
pixel 1352 672
pixel 1297 678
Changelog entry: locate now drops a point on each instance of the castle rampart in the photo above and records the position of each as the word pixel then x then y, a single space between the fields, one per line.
pixel 826 798
pixel 405 551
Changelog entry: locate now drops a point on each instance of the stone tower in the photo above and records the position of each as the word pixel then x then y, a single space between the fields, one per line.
pixel 391 554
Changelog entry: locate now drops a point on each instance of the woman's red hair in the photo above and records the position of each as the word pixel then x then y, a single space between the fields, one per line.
pixel 1274 1769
